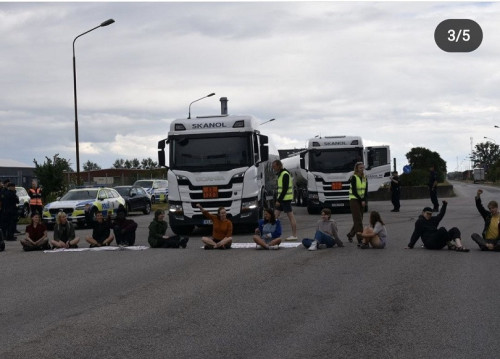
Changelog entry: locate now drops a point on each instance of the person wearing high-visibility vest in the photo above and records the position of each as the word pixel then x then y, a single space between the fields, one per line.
pixel 285 196
pixel 357 200
pixel 35 194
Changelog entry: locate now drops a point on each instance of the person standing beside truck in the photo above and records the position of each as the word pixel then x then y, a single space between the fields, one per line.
pixel 357 200
pixel 285 196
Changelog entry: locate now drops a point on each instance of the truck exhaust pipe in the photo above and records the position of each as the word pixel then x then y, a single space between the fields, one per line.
pixel 223 105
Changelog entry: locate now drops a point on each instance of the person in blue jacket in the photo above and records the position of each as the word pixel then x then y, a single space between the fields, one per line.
pixel 268 234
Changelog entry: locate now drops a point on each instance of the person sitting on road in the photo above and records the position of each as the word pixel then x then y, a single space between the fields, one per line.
pixel 157 233
pixel 490 239
pixel 374 235
pixel 36 235
pixel 64 233
pixel 326 233
pixel 124 229
pixel 101 232
pixel 268 234
pixel 426 227
pixel 222 230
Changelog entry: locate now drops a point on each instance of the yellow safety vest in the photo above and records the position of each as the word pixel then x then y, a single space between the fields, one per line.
pixel 289 192
pixel 360 186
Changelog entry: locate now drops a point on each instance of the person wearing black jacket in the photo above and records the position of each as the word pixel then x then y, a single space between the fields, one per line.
pixel 395 191
pixel 426 228
pixel 10 201
pixel 124 229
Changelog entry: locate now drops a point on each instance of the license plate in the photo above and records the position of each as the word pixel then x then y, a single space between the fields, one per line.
pixel 210 192
pixel 207 221
pixel 337 205
pixel 336 185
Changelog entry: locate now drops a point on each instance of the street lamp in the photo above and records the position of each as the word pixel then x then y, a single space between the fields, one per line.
pixel 267 121
pixel 209 95
pixel 105 23
pixel 490 139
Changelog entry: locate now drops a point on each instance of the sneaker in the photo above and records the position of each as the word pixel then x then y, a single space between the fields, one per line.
pixel 364 246
pixel 183 242
pixel 291 238
pixel 275 247
pixel 314 246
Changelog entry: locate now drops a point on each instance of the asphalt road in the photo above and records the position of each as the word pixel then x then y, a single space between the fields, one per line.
pixel 244 303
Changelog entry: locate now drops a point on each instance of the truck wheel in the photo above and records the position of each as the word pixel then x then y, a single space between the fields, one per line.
pixel 182 230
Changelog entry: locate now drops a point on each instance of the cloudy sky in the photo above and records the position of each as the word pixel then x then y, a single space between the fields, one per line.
pixel 326 68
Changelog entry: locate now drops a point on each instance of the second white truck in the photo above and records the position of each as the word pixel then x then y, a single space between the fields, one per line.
pixel 322 171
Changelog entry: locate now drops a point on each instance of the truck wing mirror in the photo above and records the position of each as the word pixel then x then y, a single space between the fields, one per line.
pixel 161 152
pixel 264 153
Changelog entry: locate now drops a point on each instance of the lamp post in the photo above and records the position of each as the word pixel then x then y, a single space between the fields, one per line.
pixel 105 23
pixel 209 95
pixel 267 121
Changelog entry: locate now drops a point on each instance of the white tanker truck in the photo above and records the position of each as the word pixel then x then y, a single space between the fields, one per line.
pixel 217 161
pixel 322 171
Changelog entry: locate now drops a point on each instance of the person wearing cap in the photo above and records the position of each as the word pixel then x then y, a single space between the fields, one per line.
pixel 124 229
pixel 489 240
pixel 426 228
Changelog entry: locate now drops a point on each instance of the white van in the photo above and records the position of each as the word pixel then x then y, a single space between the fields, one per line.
pixel 156 188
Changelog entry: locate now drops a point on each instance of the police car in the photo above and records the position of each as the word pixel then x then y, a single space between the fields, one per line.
pixel 75 202
pixel 156 188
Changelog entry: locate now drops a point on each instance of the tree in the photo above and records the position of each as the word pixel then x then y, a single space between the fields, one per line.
pixel 89 166
pixel 148 163
pixel 127 164
pixel 51 175
pixel 135 163
pixel 119 163
pixel 486 153
pixel 421 159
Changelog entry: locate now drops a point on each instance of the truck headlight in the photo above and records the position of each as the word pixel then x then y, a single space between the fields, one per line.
pixel 249 205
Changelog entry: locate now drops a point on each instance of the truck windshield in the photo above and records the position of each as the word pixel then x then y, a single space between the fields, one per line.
pixel 335 160
pixel 217 153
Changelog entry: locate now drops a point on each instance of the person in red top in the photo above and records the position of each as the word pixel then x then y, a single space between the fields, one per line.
pixel 222 232
pixel 36 235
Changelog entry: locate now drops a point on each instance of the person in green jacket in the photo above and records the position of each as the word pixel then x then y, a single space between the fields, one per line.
pixel 157 233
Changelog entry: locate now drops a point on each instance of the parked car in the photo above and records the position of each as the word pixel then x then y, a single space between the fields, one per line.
pixel 136 198
pixel 156 188
pixel 74 202
pixel 23 208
